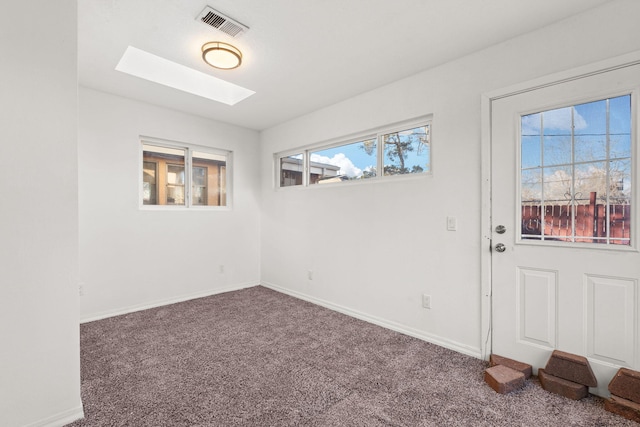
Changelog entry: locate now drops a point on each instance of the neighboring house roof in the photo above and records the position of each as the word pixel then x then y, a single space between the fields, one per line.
pixel 317 168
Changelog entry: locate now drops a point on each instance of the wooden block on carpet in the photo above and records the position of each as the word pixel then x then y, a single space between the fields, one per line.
pixel 557 385
pixel 623 407
pixel 571 367
pixel 503 379
pixel 626 384
pixel 525 368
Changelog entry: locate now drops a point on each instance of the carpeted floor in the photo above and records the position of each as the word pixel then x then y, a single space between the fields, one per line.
pixel 256 357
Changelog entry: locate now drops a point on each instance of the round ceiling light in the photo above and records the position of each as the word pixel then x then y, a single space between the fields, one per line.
pixel 221 55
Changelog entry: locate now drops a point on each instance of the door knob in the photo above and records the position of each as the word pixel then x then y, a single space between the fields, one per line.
pixel 501 229
pixel 500 247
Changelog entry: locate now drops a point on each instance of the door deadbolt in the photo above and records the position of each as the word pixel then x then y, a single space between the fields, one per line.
pixel 501 229
pixel 500 247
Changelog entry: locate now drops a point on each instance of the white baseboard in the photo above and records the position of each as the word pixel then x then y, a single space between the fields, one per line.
pixel 434 339
pixel 167 301
pixel 60 419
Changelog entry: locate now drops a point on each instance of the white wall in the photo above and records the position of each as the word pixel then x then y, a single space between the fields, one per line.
pixel 376 248
pixel 39 334
pixel 132 258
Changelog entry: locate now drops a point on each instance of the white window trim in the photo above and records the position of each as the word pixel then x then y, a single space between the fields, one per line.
pixel 189 149
pixel 375 133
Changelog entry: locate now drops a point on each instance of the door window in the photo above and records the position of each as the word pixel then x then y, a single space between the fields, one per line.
pixel 575 173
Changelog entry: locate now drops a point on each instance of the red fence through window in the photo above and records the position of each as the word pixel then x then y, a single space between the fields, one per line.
pixel 590 222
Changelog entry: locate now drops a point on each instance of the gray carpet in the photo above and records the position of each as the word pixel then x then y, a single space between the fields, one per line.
pixel 256 357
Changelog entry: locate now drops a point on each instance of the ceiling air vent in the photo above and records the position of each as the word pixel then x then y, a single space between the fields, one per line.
pixel 219 21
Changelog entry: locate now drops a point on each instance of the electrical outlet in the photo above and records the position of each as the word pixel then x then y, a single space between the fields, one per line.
pixel 221 269
pixel 81 289
pixel 426 301
pixel 310 275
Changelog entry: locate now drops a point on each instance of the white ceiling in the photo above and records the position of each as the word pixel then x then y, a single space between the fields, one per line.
pixel 298 55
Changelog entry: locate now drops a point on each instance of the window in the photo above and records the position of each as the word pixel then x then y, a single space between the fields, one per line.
pixel 347 162
pixel 291 170
pixel 407 151
pixel 397 151
pixel 575 171
pixel 209 178
pixel 170 170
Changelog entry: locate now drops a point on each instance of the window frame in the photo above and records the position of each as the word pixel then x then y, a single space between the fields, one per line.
pixel 377 134
pixel 189 150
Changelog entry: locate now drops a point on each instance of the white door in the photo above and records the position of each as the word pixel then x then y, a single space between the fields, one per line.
pixel 564 164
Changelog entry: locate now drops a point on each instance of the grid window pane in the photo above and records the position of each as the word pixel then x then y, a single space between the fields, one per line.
pixel 577 187
pixel 531 151
pixel 407 151
pixel 590 148
pixel 208 182
pixel 343 163
pixel 557 150
pixel 291 170
pixel 165 184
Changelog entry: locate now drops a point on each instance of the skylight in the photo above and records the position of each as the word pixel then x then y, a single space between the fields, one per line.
pixel 150 67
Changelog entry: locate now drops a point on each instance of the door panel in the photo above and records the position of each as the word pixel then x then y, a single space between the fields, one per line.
pixel 563 283
pixel 536 298
pixel 604 293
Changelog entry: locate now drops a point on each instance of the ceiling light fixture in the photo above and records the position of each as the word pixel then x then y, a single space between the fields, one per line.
pixel 221 55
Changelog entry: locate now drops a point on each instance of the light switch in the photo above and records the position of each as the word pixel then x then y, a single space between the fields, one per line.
pixel 452 223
